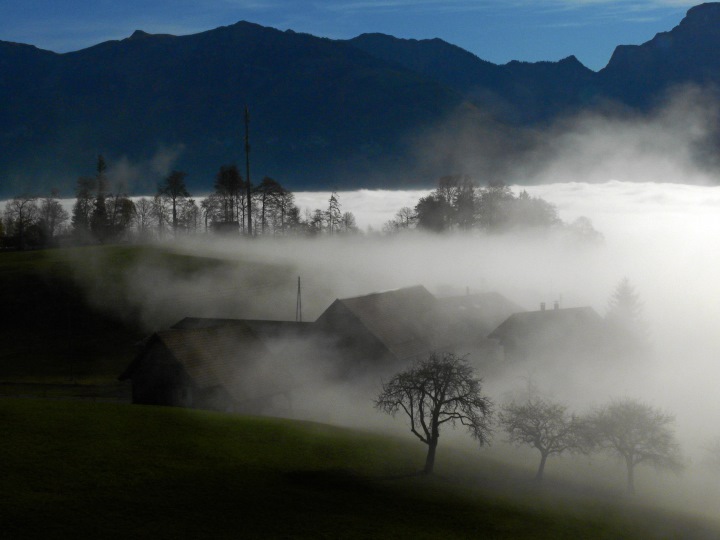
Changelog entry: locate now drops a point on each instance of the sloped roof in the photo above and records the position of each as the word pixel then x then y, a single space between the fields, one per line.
pixel 549 322
pixel 277 336
pixel 229 356
pixel 401 319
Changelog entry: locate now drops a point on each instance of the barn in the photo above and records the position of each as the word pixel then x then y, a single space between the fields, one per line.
pixel 225 368
pixel 379 332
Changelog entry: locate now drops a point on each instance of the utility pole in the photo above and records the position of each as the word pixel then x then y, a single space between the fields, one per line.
pixel 298 304
pixel 247 171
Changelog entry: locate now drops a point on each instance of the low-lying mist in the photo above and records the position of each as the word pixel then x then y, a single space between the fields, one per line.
pixel 663 236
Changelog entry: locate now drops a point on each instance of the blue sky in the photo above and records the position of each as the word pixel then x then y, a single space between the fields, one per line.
pixel 495 30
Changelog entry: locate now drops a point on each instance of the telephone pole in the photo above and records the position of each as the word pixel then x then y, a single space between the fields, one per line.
pixel 247 171
pixel 298 305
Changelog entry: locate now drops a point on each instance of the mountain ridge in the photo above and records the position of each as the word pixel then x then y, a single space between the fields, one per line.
pixel 324 113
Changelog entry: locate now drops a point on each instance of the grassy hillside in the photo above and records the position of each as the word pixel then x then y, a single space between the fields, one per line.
pixel 121 471
pixel 67 316
pixel 51 333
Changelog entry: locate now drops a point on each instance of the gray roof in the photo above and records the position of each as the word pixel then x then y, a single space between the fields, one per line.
pixel 549 322
pixel 228 356
pixel 401 319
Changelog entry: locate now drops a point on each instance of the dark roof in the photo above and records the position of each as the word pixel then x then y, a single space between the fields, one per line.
pixel 260 327
pixel 229 356
pixel 401 319
pixel 549 322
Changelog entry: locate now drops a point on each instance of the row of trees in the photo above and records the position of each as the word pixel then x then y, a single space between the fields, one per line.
pixel 459 204
pixel 31 221
pixel 444 390
pixel 103 211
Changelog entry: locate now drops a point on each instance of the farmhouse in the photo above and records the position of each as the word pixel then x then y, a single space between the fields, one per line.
pixel 244 365
pixel 383 330
pixel 218 367
pixel 550 334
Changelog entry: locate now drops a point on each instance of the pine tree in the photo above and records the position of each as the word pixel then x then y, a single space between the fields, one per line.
pixel 625 318
pixel 333 214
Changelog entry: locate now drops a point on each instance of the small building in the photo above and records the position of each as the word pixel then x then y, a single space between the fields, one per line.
pixel 223 368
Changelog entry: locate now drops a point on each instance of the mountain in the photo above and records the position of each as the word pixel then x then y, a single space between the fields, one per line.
pixel 638 74
pixel 518 92
pixel 324 113
pixel 321 111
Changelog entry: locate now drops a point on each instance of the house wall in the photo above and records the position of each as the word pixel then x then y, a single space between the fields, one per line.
pixel 159 379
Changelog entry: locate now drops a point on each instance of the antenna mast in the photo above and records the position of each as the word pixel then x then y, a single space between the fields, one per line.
pixel 298 304
pixel 247 170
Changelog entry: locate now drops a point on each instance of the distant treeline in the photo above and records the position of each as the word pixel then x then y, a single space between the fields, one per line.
pixel 459 204
pixel 104 212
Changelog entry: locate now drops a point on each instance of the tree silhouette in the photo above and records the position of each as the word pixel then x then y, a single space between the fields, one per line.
pixel 434 392
pixel 544 425
pixel 624 317
pixel 173 189
pixel 637 433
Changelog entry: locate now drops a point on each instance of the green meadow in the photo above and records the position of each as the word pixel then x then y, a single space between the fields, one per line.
pixel 98 470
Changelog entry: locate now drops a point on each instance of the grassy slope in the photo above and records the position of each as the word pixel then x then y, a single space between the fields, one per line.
pixel 52 333
pixel 120 471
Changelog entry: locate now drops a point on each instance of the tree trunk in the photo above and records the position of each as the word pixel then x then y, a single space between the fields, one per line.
pixel 541 468
pixel 430 459
pixel 630 475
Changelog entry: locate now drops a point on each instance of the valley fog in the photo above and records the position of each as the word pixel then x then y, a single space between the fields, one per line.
pixel 662 237
pixel 660 223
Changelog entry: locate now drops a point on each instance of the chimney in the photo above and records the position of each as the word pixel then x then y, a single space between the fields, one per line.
pixel 542 306
pixel 556 305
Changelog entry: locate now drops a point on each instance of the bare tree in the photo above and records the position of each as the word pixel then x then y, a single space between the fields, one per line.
pixel 173 188
pixel 406 217
pixel 637 433
pixel 161 213
pixel 544 425
pixel 437 391
pixel 21 212
pixel 268 193
pixel 211 208
pixel 144 216
pixel 189 216
pixel 52 215
pixel 348 224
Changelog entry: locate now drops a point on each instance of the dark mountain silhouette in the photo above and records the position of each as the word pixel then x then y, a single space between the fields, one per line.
pixel 324 113
pixel 518 92
pixel 321 111
pixel 638 74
